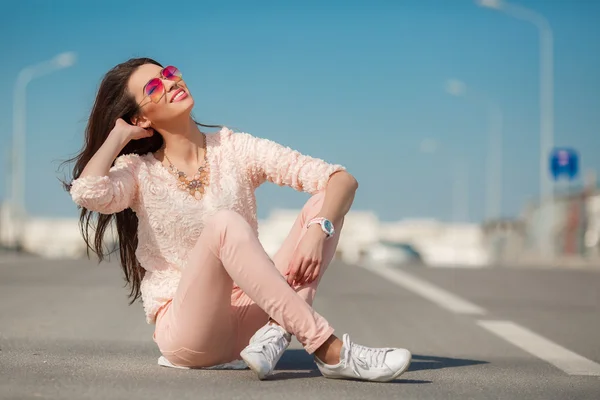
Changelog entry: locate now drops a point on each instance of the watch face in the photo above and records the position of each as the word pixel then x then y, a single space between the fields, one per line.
pixel 328 225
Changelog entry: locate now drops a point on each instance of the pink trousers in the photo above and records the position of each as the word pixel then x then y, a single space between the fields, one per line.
pixel 229 289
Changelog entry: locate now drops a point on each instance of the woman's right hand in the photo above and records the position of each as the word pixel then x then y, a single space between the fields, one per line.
pixel 130 132
pixel 119 136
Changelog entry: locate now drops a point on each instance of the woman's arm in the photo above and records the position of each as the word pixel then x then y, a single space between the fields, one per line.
pixel 339 196
pixel 101 162
pixel 305 265
pixel 107 189
pixel 269 161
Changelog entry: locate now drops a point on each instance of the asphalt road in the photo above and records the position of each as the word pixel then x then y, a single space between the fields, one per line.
pixel 66 332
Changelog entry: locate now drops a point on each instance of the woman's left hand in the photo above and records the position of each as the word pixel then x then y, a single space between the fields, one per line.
pixel 307 258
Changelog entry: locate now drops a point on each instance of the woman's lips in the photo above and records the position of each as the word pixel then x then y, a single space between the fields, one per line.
pixel 179 95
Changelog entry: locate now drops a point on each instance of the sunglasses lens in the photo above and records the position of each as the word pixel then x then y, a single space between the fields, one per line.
pixel 154 89
pixel 171 73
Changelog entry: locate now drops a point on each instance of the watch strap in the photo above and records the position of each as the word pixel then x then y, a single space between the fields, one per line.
pixel 321 221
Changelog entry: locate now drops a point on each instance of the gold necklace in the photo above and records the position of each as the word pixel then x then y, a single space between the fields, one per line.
pixel 197 185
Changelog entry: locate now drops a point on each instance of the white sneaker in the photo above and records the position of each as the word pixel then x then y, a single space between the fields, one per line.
pixel 265 349
pixel 366 363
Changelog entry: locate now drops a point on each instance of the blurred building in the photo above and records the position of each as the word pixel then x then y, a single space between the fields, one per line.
pixel 47 237
pixel 565 231
pixel 571 225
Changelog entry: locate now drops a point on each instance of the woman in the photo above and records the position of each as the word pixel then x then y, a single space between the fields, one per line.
pixel 185 213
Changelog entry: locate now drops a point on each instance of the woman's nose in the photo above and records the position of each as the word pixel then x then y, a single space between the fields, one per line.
pixel 169 84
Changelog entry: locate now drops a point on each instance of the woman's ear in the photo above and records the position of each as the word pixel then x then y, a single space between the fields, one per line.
pixel 141 121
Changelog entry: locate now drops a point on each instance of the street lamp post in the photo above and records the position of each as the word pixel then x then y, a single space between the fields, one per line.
pixel 25 76
pixel 493 197
pixel 546 92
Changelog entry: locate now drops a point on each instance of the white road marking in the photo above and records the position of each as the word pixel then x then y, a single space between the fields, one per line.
pixel 564 359
pixel 425 289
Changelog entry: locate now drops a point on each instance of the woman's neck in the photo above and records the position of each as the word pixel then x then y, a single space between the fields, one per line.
pixel 183 142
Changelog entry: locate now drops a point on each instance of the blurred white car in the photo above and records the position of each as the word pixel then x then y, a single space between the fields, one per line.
pixel 390 253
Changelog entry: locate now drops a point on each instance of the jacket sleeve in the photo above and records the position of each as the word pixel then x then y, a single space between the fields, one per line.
pixel 272 162
pixel 111 193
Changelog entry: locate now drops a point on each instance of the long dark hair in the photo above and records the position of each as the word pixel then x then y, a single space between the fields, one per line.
pixel 113 101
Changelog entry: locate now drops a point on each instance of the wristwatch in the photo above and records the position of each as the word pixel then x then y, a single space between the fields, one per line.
pixel 326 225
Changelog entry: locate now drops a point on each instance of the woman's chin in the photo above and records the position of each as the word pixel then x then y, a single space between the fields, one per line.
pixel 184 106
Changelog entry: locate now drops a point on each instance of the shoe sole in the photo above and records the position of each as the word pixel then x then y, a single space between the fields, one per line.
pixel 396 375
pixel 233 365
pixel 163 362
pixel 256 370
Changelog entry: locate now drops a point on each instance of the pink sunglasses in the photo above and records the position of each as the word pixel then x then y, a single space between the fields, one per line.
pixel 155 89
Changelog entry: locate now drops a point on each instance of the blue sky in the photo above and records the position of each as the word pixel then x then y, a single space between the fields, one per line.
pixel 356 83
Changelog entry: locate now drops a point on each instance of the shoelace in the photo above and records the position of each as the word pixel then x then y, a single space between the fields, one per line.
pixel 270 348
pixel 366 356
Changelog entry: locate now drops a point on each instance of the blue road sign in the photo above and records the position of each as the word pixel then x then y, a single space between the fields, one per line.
pixel 564 162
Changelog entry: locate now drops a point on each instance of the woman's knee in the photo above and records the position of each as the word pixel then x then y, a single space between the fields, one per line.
pixel 228 225
pixel 316 200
